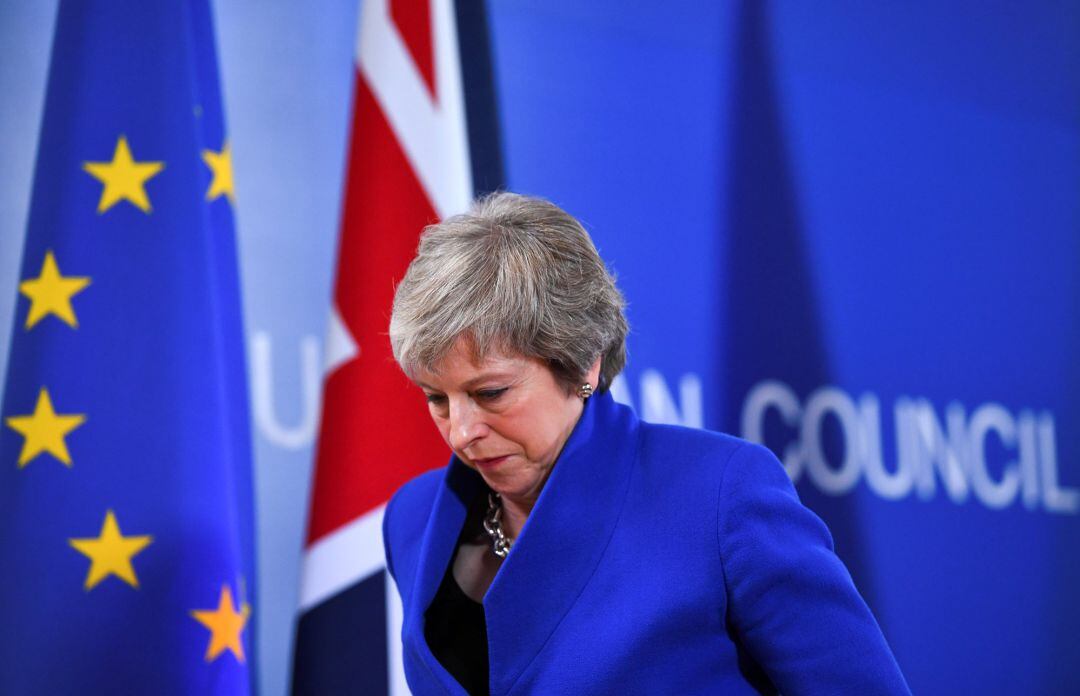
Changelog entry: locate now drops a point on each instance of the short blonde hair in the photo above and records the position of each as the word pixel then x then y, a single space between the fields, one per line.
pixel 515 273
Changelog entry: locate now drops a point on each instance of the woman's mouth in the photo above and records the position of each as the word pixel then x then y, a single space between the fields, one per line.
pixel 490 462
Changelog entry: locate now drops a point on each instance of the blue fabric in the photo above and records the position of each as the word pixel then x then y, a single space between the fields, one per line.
pixel 658 559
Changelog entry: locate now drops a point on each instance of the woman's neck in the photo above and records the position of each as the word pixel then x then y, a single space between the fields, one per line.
pixel 514 514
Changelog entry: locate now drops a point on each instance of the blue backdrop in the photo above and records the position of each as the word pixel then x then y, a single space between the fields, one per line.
pixel 847 229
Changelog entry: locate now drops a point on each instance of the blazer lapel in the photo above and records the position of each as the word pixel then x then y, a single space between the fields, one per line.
pixel 459 487
pixel 562 541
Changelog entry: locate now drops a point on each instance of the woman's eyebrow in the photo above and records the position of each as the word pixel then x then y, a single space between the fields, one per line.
pixel 470 384
pixel 494 375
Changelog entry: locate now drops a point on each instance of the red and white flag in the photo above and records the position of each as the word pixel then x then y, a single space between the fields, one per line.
pixel 415 148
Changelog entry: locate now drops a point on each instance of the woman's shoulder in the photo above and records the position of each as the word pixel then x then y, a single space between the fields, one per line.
pixel 405 516
pixel 703 453
pixel 419 492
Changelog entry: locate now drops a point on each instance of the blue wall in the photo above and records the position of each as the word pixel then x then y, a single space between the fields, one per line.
pixel 850 229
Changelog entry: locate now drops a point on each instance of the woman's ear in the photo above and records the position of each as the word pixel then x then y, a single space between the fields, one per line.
pixel 593 375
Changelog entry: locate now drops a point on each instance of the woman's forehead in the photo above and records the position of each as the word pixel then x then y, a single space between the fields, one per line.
pixel 462 368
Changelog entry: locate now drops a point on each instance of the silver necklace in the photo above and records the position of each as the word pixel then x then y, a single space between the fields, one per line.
pixel 500 543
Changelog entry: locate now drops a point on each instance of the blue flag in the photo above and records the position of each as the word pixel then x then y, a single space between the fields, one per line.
pixel 126 521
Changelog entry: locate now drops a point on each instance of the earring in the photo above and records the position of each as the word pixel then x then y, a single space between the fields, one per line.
pixel 585 391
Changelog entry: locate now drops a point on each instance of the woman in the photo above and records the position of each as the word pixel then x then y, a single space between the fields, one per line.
pixel 569 548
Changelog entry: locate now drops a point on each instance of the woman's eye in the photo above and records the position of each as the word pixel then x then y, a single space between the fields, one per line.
pixel 490 394
pixel 436 399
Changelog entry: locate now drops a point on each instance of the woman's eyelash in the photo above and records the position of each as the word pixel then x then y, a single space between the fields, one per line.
pixel 484 394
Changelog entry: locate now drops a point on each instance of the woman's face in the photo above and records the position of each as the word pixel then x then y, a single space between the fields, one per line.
pixel 505 416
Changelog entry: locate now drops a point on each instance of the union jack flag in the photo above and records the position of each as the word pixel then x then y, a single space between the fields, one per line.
pixel 424 143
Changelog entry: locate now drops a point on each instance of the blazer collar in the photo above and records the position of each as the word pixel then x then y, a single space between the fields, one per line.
pixel 555 554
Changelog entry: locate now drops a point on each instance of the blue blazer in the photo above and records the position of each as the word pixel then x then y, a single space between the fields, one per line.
pixel 657 560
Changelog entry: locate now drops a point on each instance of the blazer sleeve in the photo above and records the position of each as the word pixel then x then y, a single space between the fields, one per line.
pixel 386 537
pixel 791 601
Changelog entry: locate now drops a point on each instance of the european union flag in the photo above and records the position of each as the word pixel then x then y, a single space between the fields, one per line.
pixel 126 540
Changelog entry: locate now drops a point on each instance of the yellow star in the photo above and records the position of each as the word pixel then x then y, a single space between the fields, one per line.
pixel 110 553
pixel 124 178
pixel 50 293
pixel 220 164
pixel 225 624
pixel 44 430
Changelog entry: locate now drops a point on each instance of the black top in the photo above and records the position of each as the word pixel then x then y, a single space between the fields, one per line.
pixel 457 635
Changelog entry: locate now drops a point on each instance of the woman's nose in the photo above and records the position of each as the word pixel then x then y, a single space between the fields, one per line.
pixel 466 424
